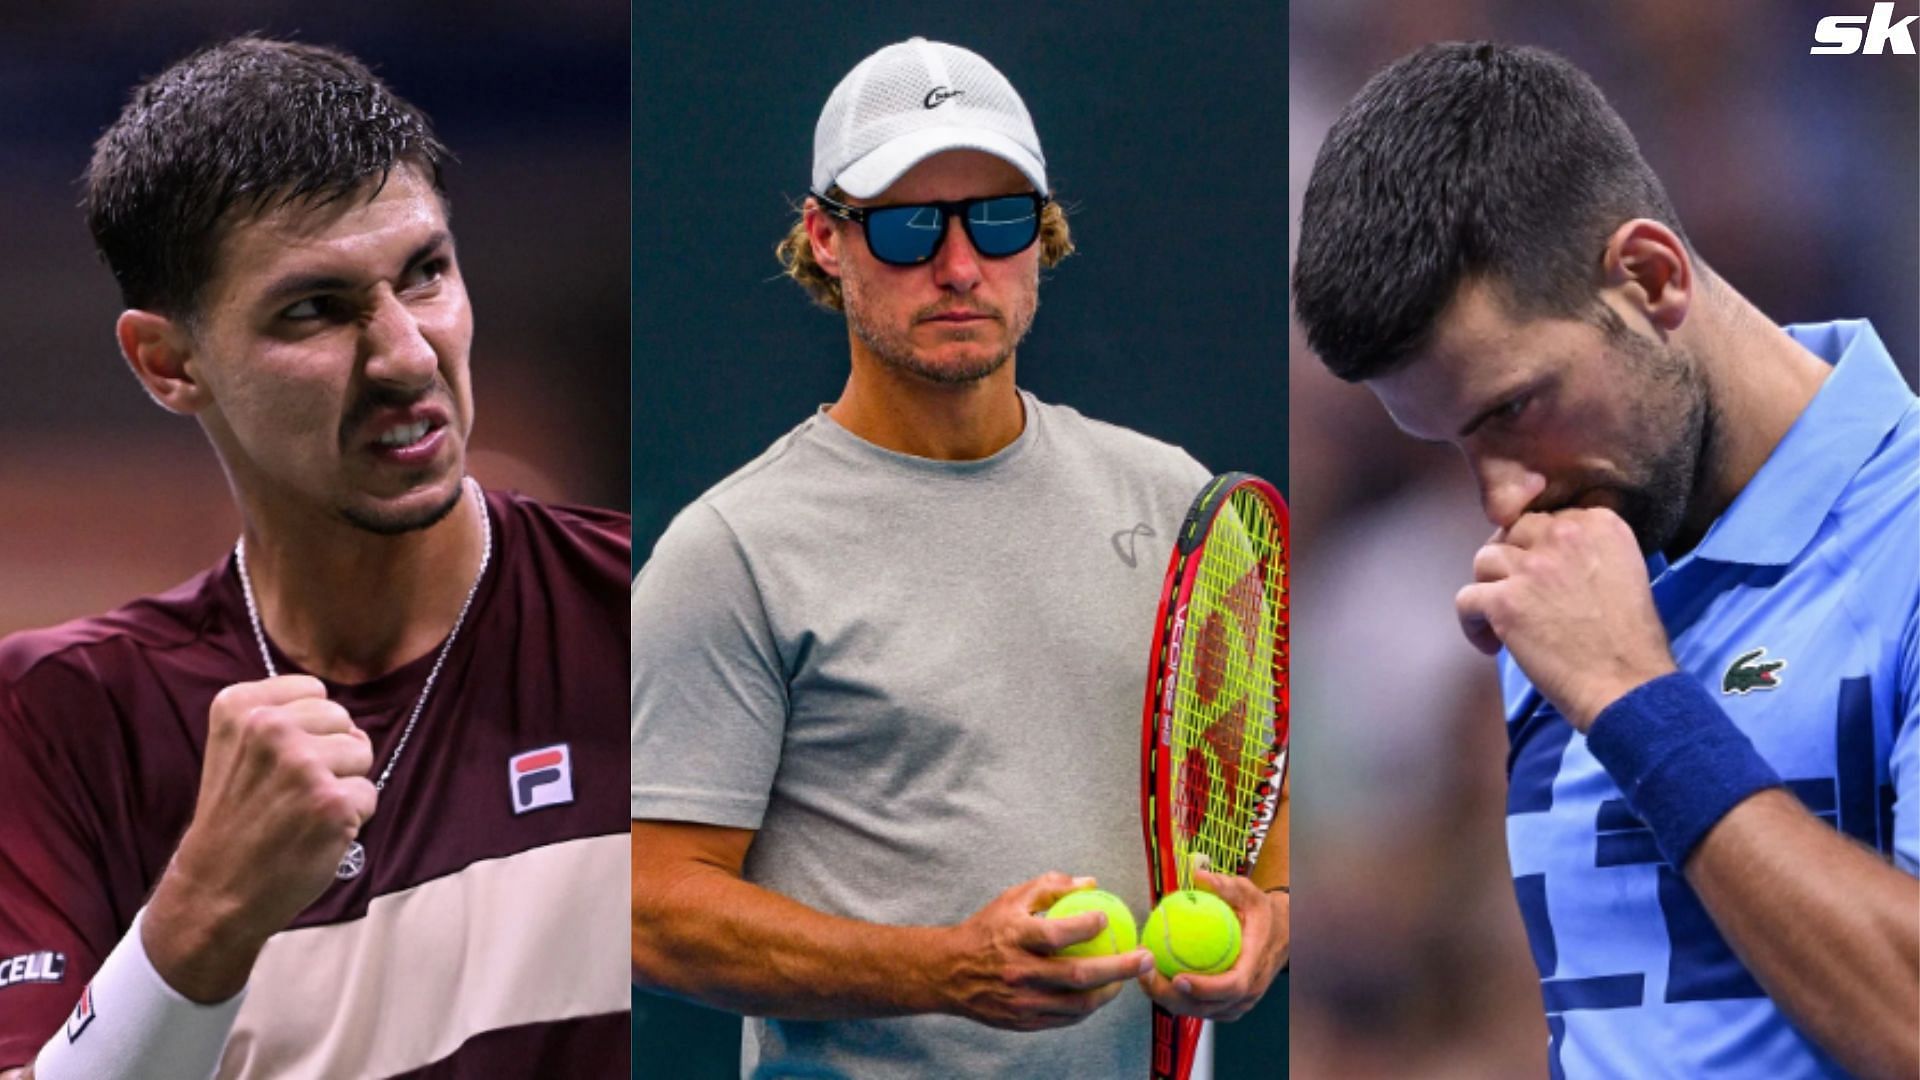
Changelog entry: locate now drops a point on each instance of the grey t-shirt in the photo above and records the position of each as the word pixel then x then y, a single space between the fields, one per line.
pixel 921 682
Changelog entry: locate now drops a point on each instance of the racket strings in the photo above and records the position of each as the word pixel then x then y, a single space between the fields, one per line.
pixel 1230 689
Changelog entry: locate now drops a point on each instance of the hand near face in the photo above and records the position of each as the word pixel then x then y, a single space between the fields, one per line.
pixel 1567 594
pixel 1265 944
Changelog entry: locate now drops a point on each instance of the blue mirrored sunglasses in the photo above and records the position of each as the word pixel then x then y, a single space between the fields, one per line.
pixel 909 234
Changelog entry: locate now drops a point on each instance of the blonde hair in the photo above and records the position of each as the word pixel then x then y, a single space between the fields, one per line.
pixel 795 252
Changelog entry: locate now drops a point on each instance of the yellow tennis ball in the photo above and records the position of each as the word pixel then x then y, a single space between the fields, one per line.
pixel 1193 931
pixel 1121 934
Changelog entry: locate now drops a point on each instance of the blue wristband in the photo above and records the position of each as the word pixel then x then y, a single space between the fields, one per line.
pixel 1678 759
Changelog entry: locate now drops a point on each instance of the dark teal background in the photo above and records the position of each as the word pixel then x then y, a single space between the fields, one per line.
pixel 1165 135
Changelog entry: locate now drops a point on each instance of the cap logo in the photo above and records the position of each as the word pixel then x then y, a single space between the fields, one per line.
pixel 940 95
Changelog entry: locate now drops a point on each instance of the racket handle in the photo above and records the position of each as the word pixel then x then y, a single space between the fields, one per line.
pixel 1175 1040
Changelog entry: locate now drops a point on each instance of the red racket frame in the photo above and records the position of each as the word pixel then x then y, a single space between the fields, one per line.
pixel 1176 1037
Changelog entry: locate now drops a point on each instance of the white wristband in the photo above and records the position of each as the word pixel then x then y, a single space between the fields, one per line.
pixel 130 1023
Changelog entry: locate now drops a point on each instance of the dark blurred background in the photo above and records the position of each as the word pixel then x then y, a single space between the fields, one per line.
pixel 103 496
pixel 1797 179
pixel 1163 132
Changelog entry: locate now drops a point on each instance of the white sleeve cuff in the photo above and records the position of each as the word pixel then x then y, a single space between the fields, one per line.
pixel 129 1023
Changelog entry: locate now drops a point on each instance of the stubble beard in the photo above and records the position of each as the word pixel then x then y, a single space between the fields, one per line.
pixel 1655 501
pixel 894 346
pixel 400 523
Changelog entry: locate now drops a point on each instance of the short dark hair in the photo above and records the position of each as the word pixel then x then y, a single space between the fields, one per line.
pixel 236 130
pixel 1462 161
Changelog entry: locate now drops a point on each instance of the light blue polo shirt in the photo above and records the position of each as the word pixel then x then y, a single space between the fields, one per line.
pixel 1797 611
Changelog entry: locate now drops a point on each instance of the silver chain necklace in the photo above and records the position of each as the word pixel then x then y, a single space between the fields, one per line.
pixel 355 859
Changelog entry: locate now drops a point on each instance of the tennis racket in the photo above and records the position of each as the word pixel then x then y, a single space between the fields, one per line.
pixel 1214 738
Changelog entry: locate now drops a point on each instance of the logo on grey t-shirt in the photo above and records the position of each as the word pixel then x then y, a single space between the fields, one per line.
pixel 1124 540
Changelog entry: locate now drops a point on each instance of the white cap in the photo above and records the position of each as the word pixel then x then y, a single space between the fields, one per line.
pixel 911 101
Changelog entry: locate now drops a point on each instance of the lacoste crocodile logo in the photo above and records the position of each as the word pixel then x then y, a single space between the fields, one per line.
pixel 1129 537
pixel 1749 673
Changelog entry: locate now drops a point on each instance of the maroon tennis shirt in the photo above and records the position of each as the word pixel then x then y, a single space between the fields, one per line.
pixel 486 934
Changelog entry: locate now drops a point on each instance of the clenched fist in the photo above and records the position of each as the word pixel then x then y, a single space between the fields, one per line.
pixel 283 791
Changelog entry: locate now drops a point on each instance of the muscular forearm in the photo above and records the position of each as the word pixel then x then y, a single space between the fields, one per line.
pixel 1830 930
pixel 201 947
pixel 707 935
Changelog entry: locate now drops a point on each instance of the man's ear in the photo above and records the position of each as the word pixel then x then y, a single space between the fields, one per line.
pixel 1647 265
pixel 824 238
pixel 161 353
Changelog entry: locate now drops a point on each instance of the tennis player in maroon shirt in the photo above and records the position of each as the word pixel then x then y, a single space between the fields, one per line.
pixel 351 802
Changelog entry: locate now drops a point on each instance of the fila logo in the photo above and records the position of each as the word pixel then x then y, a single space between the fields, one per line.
pixel 82 1015
pixel 1840 34
pixel 39 967
pixel 542 777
